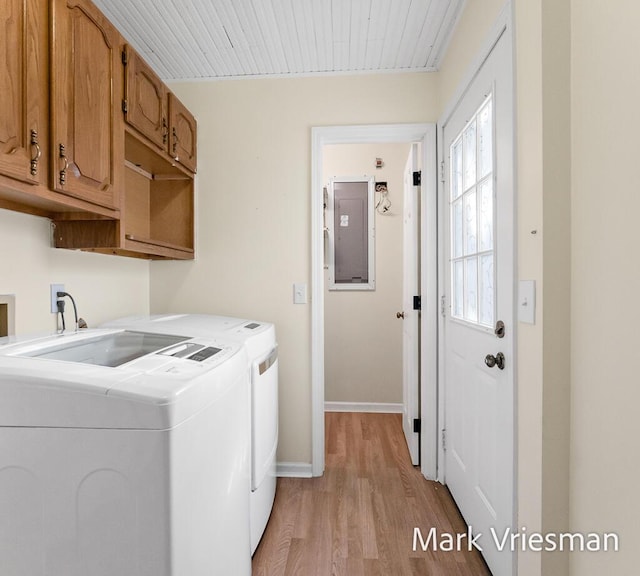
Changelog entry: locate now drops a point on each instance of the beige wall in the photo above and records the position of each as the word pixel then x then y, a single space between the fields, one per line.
pixel 363 337
pixel 254 216
pixel 473 27
pixel 104 287
pixel 605 390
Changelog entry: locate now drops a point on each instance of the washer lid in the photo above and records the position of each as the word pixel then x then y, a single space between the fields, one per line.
pixel 114 379
pixel 110 348
pixel 259 337
pixel 191 324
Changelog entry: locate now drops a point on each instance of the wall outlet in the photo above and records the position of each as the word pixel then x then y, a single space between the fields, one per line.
pixel 55 288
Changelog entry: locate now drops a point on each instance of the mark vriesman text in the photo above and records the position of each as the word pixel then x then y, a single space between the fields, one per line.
pixel 518 540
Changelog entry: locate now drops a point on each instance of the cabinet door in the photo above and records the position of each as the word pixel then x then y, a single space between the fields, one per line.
pixel 23 76
pixel 86 94
pixel 182 140
pixel 145 100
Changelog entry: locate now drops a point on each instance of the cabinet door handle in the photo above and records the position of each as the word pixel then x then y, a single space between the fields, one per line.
pixel 36 157
pixel 165 130
pixel 63 172
pixel 175 143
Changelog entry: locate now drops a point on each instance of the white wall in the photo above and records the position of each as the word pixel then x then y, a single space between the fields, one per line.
pixel 363 337
pixel 254 216
pixel 104 287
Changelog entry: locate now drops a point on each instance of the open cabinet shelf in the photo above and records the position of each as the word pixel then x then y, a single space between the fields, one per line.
pixel 157 212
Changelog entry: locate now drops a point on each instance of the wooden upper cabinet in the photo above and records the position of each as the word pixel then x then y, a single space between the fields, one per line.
pixel 23 85
pixel 156 113
pixel 145 104
pixel 87 129
pixel 183 134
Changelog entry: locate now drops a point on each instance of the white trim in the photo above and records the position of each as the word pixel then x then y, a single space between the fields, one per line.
pixel 293 470
pixel 430 308
pixel 321 136
pixel 374 407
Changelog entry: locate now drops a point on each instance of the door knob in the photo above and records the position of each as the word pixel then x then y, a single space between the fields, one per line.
pixel 400 315
pixel 497 360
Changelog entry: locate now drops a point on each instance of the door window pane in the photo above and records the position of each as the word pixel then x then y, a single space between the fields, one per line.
pixel 486 215
pixel 486 290
pixel 472 222
pixel 469 156
pixel 471 290
pixel 456 169
pixel 458 233
pixel 458 289
pixel 485 141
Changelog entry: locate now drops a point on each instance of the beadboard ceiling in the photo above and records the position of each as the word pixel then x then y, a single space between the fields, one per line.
pixel 188 39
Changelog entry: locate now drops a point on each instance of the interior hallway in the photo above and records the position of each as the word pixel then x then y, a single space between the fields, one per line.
pixel 359 518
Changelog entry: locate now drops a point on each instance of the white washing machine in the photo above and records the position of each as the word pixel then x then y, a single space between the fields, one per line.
pixel 259 340
pixel 124 453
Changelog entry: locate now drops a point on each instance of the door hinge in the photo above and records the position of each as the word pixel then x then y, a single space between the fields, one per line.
pixel 124 106
pixel 124 58
pixel 417 303
pixel 417 178
pixel 416 425
pixel 442 171
pixel 443 305
pixel 444 439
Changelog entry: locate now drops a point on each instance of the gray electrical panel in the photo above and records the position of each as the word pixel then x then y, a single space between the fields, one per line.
pixel 351 250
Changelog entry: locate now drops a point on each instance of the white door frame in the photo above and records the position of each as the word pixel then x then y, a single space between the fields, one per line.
pixel 387 133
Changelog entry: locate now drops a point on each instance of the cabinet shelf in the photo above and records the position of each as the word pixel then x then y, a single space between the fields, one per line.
pixel 157 214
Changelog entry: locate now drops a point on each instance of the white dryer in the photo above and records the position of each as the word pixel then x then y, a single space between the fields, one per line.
pixel 124 453
pixel 259 340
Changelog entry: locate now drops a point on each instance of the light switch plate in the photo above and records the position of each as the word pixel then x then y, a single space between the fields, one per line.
pixel 299 293
pixel 527 301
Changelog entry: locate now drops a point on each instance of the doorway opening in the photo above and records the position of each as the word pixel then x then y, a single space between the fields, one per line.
pixel 424 134
pixel 363 226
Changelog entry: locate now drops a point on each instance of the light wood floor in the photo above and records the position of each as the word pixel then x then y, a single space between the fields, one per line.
pixel 359 518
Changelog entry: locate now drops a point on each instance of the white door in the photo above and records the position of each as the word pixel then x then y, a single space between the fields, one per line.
pixel 478 371
pixel 410 317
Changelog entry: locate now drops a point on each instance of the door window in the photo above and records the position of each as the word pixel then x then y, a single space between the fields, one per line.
pixel 472 220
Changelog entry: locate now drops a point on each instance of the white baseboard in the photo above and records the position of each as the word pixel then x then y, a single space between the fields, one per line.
pixel 363 407
pixel 293 470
